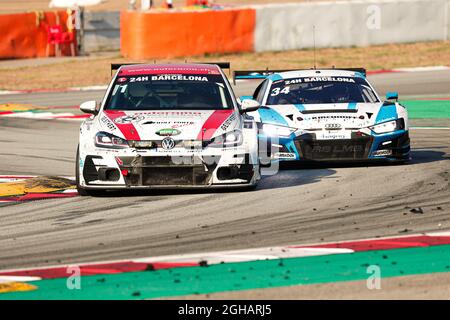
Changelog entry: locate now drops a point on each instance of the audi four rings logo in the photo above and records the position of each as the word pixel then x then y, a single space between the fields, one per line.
pixel 168 143
pixel 333 126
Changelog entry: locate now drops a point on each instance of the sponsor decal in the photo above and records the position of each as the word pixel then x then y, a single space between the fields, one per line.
pixel 316 79
pixel 129 118
pixel 168 143
pixel 173 124
pixel 138 79
pixel 334 136
pixel 180 77
pixel 168 114
pixel 284 155
pixel 108 123
pixel 121 79
pixel 380 153
pixel 124 123
pixel 228 122
pixel 168 132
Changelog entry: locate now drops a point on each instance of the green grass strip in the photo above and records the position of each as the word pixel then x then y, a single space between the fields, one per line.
pixel 427 109
pixel 246 275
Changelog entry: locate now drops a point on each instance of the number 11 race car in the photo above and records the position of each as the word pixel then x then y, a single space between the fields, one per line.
pixel 167 126
pixel 328 115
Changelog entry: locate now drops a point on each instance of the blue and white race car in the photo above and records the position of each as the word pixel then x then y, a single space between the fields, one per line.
pixel 328 115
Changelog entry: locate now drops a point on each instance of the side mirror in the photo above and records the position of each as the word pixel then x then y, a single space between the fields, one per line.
pixel 249 105
pixel 392 96
pixel 89 107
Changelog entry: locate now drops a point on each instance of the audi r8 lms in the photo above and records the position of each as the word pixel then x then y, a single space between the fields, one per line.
pixel 167 126
pixel 329 115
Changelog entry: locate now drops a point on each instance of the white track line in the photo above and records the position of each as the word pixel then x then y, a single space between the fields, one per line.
pixel 423 69
pixel 7 279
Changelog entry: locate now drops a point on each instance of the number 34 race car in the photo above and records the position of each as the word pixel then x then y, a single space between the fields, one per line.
pixel 328 115
pixel 167 126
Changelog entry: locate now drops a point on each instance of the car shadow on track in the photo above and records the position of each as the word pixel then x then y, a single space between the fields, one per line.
pixel 295 176
pixel 289 174
pixel 282 179
pixel 427 156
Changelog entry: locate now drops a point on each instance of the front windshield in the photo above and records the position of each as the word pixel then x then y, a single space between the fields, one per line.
pixel 317 90
pixel 170 91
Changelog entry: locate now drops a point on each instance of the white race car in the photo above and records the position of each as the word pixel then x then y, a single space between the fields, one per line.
pixel 329 115
pixel 172 125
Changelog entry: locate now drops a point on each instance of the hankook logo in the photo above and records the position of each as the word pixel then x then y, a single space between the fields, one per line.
pixel 168 143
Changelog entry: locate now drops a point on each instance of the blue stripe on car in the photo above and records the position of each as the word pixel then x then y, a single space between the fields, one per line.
pixel 271 116
pixel 257 76
pixel 352 106
pixel 300 107
pixel 275 77
pixel 386 113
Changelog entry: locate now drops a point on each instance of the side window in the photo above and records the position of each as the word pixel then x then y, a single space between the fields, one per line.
pixel 368 94
pixel 258 95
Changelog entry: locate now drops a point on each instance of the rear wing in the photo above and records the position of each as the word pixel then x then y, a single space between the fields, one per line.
pixel 221 65
pixel 262 74
pixel 116 66
pixel 255 74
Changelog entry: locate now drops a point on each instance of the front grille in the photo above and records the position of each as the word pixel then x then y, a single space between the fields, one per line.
pixel 351 149
pixel 166 170
pixel 157 144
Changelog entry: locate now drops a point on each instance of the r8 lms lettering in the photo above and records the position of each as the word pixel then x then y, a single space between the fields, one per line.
pixel 337 149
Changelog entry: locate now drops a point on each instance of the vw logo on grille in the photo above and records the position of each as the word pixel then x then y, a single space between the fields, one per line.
pixel 168 143
pixel 333 126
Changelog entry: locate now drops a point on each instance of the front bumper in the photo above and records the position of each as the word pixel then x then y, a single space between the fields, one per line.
pixel 113 170
pixel 393 146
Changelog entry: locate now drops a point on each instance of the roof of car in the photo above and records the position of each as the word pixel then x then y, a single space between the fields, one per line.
pixel 317 73
pixel 185 68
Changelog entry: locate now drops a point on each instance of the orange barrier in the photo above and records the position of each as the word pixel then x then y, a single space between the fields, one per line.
pixel 197 3
pixel 145 35
pixel 24 35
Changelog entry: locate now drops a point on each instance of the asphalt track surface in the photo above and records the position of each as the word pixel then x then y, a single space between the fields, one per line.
pixel 297 206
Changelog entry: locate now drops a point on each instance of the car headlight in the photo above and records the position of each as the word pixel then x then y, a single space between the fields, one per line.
pixel 275 130
pixel 229 139
pixel 385 127
pixel 108 140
